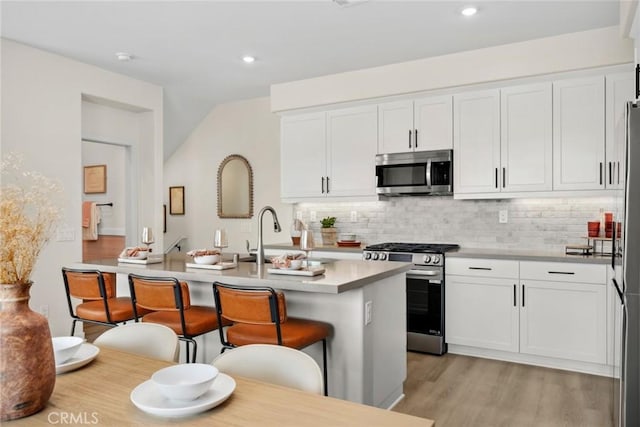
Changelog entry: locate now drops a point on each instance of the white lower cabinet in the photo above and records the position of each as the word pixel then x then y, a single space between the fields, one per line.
pixel 469 322
pixel 546 310
pixel 564 320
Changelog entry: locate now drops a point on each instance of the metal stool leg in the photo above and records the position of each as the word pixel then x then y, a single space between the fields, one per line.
pixel 324 362
pixel 73 326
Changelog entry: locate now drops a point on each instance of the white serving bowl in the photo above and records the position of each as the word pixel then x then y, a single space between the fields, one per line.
pixel 64 348
pixel 139 255
pixel 294 264
pixel 206 259
pixel 186 381
pixel 347 237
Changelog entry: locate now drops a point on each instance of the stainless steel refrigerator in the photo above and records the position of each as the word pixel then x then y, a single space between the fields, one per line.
pixel 627 282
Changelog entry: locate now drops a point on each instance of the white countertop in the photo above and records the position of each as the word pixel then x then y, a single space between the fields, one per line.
pixel 528 255
pixel 340 275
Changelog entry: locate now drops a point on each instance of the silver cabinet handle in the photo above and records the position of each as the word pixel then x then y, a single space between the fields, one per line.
pixel 514 296
pixel 323 185
pixel 480 268
pixel 504 177
pixel 327 185
pixel 523 295
pixel 561 272
pixel 415 138
pixel 496 177
pixel 410 132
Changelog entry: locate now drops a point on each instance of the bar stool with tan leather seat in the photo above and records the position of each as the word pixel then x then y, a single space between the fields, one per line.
pixel 259 316
pixel 170 305
pixel 98 291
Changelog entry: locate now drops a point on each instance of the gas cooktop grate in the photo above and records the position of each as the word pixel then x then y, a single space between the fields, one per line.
pixel 413 247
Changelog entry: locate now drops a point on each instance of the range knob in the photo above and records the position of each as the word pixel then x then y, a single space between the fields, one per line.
pixel 367 255
pixel 376 256
pixel 383 256
pixel 426 259
pixel 436 259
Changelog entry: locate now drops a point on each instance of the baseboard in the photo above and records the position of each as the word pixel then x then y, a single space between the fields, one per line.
pixel 546 362
pixel 395 402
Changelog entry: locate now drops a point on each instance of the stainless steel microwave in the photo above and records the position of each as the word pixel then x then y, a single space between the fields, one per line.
pixel 415 173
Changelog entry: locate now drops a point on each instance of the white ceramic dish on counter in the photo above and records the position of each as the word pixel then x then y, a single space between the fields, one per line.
pixel 148 398
pixel 84 355
pixel 206 259
pixel 347 237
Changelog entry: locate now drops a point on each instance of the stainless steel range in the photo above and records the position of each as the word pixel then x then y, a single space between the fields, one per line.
pixel 425 290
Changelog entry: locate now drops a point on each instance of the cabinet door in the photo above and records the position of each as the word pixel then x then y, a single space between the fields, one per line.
pixel 578 134
pixel 303 156
pixel 351 146
pixel 526 144
pixel 482 312
pixel 476 142
pixel 433 122
pixel 619 90
pixel 394 126
pixel 564 320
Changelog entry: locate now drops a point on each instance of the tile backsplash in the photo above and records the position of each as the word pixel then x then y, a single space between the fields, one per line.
pixel 538 224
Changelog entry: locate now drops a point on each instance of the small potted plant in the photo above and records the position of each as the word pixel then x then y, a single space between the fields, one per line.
pixel 329 233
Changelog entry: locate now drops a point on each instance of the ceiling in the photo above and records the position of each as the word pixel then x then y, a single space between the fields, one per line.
pixel 193 49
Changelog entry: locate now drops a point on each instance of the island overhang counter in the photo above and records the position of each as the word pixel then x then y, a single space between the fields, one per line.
pixel 365 303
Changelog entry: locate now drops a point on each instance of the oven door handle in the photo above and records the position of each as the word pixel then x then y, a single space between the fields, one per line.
pixel 422 273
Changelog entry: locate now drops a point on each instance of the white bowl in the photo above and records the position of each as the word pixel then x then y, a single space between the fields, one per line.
pixel 347 237
pixel 64 348
pixel 294 264
pixel 139 255
pixel 206 259
pixel 186 381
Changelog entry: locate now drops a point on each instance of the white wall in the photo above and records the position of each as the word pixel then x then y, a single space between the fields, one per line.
pixel 247 128
pixel 587 49
pixel 41 118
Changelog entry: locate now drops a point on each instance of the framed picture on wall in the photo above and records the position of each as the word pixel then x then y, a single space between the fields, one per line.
pixel 95 179
pixel 176 200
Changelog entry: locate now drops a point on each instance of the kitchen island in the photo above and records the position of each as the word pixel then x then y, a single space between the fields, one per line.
pixel 366 352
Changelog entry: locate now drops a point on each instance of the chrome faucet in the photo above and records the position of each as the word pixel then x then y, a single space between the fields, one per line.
pixel 276 228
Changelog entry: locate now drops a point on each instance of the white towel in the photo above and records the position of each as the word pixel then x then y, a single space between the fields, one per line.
pixel 91 232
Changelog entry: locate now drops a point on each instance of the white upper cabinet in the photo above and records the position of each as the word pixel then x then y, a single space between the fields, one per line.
pixel 476 142
pixel 351 151
pixel 619 90
pixel 579 134
pixel 329 154
pixel 303 155
pixel 418 125
pixel 526 138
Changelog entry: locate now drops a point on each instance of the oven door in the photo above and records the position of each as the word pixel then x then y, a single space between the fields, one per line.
pixel 425 311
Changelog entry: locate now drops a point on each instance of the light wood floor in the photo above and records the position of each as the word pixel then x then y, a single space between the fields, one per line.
pixel 467 391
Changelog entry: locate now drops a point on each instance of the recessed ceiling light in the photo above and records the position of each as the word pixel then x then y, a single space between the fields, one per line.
pixel 469 11
pixel 123 56
pixel 248 59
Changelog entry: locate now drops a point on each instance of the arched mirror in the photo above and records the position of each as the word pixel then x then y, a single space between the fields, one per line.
pixel 235 188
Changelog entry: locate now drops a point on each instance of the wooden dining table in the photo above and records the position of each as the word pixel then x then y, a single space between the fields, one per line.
pixel 98 394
